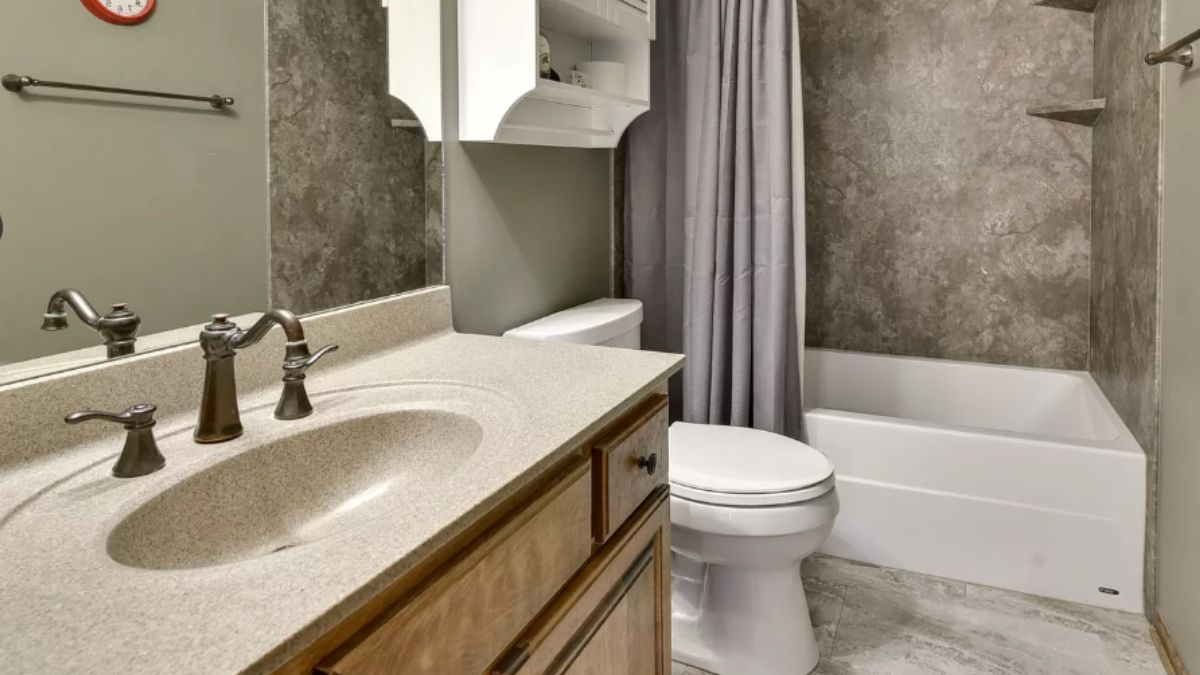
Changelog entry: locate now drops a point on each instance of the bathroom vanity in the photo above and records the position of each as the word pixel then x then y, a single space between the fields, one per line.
pixel 573 577
pixel 454 504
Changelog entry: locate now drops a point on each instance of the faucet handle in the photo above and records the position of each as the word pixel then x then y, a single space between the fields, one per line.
pixel 140 416
pixel 294 403
pixel 140 455
pixel 301 365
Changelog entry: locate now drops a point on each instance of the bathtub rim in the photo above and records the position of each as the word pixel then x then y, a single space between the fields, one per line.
pixel 1123 441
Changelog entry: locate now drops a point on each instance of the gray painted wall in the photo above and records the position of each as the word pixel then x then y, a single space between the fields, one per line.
pixel 1179 533
pixel 129 199
pixel 527 228
pixel 1125 230
pixel 527 232
pixel 943 221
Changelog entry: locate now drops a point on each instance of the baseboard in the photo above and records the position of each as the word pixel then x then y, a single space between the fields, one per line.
pixel 1166 646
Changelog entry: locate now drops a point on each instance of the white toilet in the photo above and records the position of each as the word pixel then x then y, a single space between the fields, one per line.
pixel 746 507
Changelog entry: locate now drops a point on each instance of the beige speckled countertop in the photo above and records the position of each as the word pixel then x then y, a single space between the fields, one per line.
pixel 67 607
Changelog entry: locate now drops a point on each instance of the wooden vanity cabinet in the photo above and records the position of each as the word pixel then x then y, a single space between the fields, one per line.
pixel 572 576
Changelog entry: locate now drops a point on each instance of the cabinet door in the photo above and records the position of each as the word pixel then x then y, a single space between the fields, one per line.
pixel 593 7
pixel 615 615
pixel 472 610
pixel 633 16
pixel 619 644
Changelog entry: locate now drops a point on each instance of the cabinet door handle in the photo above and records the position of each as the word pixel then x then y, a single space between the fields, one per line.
pixel 649 463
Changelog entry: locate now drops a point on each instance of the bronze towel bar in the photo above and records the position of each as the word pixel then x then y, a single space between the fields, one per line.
pixel 15 83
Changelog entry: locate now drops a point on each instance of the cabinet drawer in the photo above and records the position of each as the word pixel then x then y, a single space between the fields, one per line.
pixel 462 619
pixel 614 617
pixel 628 462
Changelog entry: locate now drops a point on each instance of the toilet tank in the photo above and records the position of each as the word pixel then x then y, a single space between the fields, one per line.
pixel 607 323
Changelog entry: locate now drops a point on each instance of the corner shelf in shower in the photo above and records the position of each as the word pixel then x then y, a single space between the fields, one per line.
pixel 1084 113
pixel 1076 5
pixel 501 97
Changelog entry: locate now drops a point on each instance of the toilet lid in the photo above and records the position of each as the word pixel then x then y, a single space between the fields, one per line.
pixel 740 461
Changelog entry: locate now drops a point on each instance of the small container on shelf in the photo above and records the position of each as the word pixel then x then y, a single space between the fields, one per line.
pixel 607 76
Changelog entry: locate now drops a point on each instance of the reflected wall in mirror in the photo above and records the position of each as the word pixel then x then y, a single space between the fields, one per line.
pixel 353 184
pixel 309 192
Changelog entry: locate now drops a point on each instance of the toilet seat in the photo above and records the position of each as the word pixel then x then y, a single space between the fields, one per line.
pixel 740 467
pixel 751 500
pixel 772 521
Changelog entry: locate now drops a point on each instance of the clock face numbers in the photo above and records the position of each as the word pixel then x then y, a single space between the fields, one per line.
pixel 125 8
pixel 121 12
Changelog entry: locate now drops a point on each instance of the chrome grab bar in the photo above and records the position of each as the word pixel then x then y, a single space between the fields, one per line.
pixel 1180 52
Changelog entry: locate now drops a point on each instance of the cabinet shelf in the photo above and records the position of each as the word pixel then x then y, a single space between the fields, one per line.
pixel 560 92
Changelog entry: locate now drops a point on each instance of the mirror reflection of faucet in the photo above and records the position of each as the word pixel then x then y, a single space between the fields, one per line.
pixel 119 328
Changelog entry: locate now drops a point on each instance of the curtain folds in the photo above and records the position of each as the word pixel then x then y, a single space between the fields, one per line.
pixel 714 238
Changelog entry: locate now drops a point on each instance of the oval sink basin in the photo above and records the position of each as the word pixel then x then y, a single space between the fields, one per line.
pixel 297 490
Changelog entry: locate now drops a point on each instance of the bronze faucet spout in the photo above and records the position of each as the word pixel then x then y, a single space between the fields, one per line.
pixel 220 418
pixel 284 318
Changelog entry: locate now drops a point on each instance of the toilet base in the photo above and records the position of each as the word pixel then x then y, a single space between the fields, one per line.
pixel 737 621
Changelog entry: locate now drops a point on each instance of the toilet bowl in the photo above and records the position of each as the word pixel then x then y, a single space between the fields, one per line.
pixel 747 507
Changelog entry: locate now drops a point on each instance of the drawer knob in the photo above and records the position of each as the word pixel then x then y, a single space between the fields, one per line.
pixel 650 463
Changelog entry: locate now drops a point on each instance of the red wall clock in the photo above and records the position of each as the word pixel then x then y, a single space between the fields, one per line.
pixel 121 12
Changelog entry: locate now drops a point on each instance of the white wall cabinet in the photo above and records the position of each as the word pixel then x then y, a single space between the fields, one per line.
pixel 502 98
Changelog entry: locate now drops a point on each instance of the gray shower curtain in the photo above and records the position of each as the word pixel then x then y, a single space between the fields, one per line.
pixel 714 210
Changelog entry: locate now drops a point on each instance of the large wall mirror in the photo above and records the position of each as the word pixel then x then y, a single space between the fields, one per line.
pixel 314 190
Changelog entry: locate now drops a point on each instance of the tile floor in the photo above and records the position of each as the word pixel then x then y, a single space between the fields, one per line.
pixel 880 621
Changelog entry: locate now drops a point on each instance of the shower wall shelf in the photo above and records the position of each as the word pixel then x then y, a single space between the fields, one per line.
pixel 415 60
pixel 1076 5
pixel 1084 113
pixel 503 100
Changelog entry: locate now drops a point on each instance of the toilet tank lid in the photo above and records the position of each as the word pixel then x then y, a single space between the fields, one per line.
pixel 589 324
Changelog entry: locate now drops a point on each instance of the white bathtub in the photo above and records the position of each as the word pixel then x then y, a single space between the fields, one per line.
pixel 1017 478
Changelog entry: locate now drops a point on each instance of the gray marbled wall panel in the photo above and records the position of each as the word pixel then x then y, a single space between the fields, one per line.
pixel 942 220
pixel 435 227
pixel 348 192
pixel 1125 228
